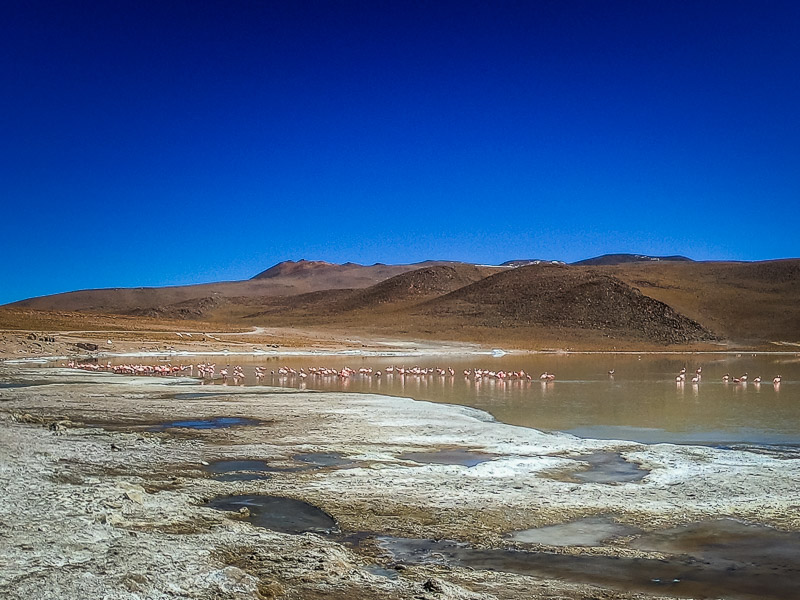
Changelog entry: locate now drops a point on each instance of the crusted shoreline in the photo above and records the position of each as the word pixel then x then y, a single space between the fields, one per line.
pixel 101 501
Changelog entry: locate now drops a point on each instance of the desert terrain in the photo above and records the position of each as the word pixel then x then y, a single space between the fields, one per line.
pixel 149 487
pixel 608 303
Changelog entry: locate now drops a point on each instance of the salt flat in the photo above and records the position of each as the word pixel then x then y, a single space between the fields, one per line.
pixel 109 503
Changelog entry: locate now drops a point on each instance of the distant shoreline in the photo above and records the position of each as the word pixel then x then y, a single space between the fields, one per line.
pixel 386 354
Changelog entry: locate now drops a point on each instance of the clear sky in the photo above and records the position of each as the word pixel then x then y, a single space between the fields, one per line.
pixel 147 143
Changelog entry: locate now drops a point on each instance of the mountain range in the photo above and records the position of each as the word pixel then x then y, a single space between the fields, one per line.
pixel 615 300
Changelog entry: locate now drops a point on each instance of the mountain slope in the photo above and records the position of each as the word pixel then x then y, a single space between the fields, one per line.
pixel 745 301
pixel 660 302
pixel 284 279
pixel 415 286
pixel 567 298
pixel 325 275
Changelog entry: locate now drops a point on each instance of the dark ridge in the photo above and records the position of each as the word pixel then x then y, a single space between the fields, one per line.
pixel 618 259
pixel 564 297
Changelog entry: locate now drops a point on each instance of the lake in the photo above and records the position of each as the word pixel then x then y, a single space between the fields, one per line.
pixel 641 401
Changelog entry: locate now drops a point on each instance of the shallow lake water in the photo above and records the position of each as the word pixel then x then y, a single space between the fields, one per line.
pixel 608 467
pixel 465 458
pixel 716 559
pixel 641 401
pixel 711 559
pixel 286 515
pixel 591 531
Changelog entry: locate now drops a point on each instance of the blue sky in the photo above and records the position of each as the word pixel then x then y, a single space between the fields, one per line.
pixel 154 143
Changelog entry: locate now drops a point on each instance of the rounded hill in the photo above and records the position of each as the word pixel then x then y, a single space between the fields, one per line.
pixel 417 285
pixel 567 297
pixel 300 268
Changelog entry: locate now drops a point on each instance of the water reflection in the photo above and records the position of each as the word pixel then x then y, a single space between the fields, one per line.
pixel 641 400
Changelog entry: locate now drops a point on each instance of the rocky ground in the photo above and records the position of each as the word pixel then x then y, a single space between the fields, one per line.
pixel 101 500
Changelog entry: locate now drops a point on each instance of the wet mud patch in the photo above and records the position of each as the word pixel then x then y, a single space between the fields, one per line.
pixel 591 531
pixel 780 451
pixel 449 456
pixel 194 395
pixel 188 527
pixel 10 385
pixel 210 423
pixel 676 576
pixel 603 467
pixel 728 541
pixel 315 573
pixel 277 513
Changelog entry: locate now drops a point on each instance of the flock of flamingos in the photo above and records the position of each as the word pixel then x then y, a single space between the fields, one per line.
pixel 680 379
pixel 236 375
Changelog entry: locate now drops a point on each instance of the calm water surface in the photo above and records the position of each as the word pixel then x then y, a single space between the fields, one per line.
pixel 640 402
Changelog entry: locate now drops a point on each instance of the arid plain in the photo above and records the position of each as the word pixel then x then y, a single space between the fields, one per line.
pixel 110 480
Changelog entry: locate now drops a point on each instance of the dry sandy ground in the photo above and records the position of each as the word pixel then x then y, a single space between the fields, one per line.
pixel 265 341
pixel 102 505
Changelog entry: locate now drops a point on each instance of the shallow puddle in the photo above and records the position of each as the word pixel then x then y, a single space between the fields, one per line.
pixel 764 579
pixel 193 395
pixel 727 540
pixel 253 469
pixel 8 385
pixel 381 571
pixel 608 467
pixel 226 466
pixel 277 513
pixel 465 458
pixel 242 476
pixel 240 470
pixel 213 423
pixel 592 531
pixel 323 459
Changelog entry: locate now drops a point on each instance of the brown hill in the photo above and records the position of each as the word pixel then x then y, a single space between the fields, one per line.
pixel 748 302
pixel 394 293
pixel 301 267
pixel 415 286
pixel 567 298
pixel 196 308
pixel 312 275
pixel 284 279
pixel 643 302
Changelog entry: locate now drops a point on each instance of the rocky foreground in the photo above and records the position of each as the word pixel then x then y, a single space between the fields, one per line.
pixel 103 497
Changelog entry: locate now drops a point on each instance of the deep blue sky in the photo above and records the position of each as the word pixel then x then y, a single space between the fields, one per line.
pixel 164 142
